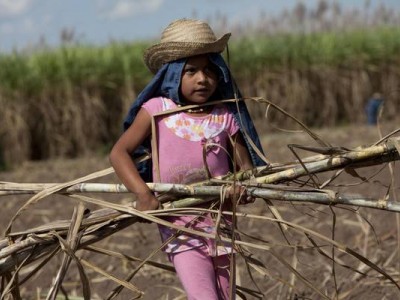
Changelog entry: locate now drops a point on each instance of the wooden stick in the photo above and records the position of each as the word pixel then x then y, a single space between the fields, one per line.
pixel 279 173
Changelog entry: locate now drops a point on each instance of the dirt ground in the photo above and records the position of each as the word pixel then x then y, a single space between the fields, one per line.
pixel 369 232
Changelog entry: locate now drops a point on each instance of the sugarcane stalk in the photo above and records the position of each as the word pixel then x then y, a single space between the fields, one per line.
pixel 277 173
pixel 202 194
pixel 313 197
pixel 326 197
pixel 276 192
pixel 356 158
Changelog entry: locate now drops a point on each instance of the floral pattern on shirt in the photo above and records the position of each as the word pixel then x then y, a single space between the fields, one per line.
pixel 194 128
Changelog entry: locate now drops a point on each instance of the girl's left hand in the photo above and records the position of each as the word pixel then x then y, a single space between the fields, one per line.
pixel 242 196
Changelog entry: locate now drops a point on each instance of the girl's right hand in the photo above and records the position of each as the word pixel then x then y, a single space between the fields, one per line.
pixel 146 201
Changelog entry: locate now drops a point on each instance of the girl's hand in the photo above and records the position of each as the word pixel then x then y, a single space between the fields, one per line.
pixel 242 196
pixel 146 201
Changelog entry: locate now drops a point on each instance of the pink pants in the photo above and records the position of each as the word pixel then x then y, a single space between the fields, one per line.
pixel 203 277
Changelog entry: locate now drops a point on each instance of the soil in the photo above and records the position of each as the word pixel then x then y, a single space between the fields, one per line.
pixel 371 233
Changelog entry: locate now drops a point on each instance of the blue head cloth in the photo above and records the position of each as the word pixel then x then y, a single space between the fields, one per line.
pixel 166 83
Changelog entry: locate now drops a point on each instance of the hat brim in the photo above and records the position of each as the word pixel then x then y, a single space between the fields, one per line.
pixel 161 53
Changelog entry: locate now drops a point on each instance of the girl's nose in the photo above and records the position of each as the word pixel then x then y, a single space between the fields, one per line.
pixel 201 76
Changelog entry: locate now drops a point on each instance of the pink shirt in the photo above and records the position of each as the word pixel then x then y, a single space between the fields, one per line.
pixel 182 139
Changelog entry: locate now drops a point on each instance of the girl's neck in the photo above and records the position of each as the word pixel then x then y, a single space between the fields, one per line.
pixel 199 111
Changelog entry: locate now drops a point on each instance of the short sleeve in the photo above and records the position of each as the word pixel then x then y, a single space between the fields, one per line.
pixel 232 125
pixel 153 105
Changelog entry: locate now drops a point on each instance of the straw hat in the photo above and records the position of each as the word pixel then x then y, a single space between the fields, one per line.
pixel 184 38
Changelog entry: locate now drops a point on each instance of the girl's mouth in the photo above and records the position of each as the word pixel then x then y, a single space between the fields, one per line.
pixel 201 91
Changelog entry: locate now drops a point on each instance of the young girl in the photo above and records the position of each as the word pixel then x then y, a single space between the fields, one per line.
pixel 188 70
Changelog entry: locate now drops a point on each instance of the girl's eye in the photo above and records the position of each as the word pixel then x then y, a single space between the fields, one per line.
pixel 190 70
pixel 211 70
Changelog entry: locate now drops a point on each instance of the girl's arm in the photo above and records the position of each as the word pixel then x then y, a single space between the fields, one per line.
pixel 243 162
pixel 242 156
pixel 125 168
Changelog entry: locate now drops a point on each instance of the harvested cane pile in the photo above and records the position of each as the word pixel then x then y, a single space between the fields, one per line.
pixel 301 181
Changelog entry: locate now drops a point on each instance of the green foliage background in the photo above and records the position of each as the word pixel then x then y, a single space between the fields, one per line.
pixel 71 100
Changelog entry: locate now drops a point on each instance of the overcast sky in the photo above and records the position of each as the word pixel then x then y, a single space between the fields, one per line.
pixel 24 22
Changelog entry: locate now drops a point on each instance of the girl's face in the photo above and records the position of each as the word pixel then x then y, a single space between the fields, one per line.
pixel 199 79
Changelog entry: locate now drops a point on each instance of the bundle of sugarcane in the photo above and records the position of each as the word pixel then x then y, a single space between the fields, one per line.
pixel 262 182
pixel 273 182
